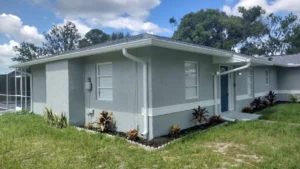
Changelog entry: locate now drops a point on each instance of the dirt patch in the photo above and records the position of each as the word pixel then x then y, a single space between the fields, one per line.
pixel 238 154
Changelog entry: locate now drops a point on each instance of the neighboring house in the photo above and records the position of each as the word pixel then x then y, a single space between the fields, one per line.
pixel 151 82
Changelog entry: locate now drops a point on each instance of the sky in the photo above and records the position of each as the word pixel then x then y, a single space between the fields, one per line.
pixel 26 20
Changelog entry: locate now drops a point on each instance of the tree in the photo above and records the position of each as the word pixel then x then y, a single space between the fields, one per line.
pixel 252 33
pixel 26 52
pixel 294 41
pixel 61 39
pixel 210 28
pixel 119 35
pixel 277 39
pixel 173 21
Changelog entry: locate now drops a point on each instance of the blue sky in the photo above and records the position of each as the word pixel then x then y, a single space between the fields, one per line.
pixel 26 20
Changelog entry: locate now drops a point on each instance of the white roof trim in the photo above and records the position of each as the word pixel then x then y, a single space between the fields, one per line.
pixel 133 44
pixel 142 43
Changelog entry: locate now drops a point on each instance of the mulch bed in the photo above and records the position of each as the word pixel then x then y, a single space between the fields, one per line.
pixel 162 140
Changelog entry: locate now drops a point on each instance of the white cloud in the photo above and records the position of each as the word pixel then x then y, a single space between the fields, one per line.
pixel 117 14
pixel 6 53
pixel 270 7
pixel 12 27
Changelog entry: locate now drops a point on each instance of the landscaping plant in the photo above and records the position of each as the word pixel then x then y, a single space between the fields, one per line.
pixel 62 121
pixel 55 120
pixel 132 135
pixel 200 114
pixel 215 119
pixel 105 121
pixel 293 98
pixel 271 97
pixel 49 116
pixel 174 131
pixel 257 104
pixel 247 109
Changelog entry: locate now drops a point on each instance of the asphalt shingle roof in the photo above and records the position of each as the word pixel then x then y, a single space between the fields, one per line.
pixel 287 59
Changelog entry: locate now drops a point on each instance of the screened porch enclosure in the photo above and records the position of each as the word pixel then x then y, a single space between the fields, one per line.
pixel 15 90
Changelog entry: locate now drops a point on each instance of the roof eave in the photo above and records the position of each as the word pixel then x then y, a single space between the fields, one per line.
pixel 134 44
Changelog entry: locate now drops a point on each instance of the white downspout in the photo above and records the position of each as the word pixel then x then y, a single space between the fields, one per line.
pixel 145 88
pixel 224 73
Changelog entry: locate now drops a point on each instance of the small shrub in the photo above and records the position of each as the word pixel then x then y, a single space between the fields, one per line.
pixel 61 121
pixel 247 109
pixel 132 135
pixel 215 119
pixel 271 97
pixel 49 116
pixel 266 103
pixel 55 120
pixel 88 126
pixel 293 98
pixel 200 114
pixel 174 131
pixel 105 121
pixel 257 104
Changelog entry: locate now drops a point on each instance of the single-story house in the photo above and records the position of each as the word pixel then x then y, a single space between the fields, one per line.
pixel 151 82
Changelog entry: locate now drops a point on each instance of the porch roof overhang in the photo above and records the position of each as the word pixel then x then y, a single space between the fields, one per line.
pixel 237 59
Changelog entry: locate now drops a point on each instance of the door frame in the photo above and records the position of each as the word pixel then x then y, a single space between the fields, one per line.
pixel 16 92
pixel 231 88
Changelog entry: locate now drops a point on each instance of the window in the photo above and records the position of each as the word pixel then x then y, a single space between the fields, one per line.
pixel 191 80
pixel 250 82
pixel 104 81
pixel 267 76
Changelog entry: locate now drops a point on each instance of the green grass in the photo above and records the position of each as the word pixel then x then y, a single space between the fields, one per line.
pixel 26 141
pixel 283 113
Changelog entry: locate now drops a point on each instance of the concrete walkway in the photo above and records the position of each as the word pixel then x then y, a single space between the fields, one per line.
pixel 235 115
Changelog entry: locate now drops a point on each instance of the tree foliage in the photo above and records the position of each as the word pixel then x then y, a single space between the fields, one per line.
pixel 253 32
pixel 61 39
pixel 26 52
pixel 58 40
pixel 93 37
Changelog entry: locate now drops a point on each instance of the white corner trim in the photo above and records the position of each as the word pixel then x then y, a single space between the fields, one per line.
pixel 157 111
pixel 243 97
pixel 288 91
pixel 260 94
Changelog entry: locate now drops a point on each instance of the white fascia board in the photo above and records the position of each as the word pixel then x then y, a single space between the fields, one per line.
pixel 134 44
pixel 190 48
pixel 117 47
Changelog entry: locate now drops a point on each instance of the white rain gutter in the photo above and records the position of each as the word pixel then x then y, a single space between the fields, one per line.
pixel 145 88
pixel 224 73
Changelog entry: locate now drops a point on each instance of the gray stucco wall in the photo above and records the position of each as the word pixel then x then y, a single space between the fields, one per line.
pixel 57 89
pixel 127 100
pixel 289 82
pixel 76 92
pixel 260 88
pixel 39 88
pixel 168 77
pixel 168 87
pixel 289 78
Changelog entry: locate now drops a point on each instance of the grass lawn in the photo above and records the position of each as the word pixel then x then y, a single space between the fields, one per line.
pixel 26 141
pixel 283 113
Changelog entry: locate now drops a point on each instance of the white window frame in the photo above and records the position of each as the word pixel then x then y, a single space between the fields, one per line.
pixel 250 75
pixel 197 80
pixel 98 84
pixel 267 77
